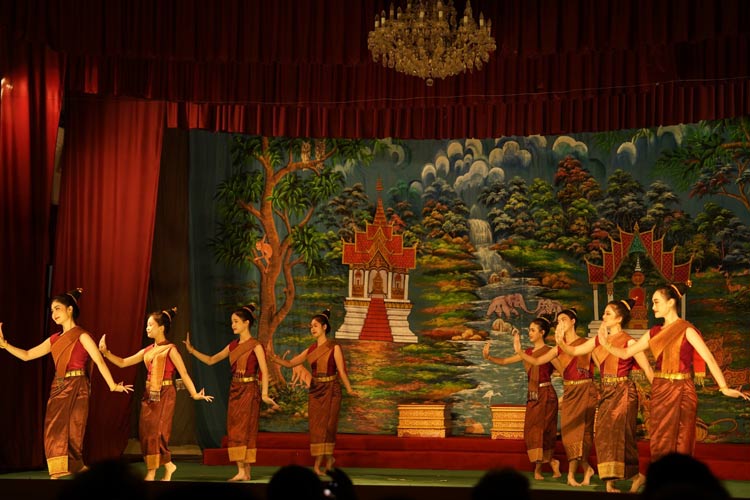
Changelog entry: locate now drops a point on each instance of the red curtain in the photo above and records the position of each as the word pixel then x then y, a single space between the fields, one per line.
pixel 110 173
pixel 29 114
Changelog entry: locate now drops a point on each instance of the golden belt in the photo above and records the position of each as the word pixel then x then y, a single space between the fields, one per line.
pixel 672 376
pixel 545 384
pixel 326 379
pixel 576 382
pixel 609 379
pixel 243 380
pixel 75 373
pixel 163 382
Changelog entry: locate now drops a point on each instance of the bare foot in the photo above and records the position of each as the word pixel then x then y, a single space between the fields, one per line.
pixel 588 475
pixel 150 475
pixel 555 464
pixel 329 463
pixel 318 471
pixel 611 487
pixel 240 476
pixel 169 469
pixel 638 481
pixel 572 481
pixel 538 472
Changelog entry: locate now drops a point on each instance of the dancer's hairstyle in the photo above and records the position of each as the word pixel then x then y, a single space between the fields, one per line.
pixel 569 312
pixel 544 322
pixel 323 319
pixel 70 299
pixel 246 313
pixel 164 318
pixel 675 291
pixel 622 308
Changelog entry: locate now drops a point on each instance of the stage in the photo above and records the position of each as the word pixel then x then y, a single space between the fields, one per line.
pixel 381 467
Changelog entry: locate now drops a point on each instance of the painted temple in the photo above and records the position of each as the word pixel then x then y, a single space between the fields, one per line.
pixel 639 243
pixel 377 306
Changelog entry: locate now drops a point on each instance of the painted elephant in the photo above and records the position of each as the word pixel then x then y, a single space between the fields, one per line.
pixel 547 306
pixel 505 305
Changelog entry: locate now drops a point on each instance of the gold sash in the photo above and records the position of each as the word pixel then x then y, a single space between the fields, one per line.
pixel 608 362
pixel 62 349
pixel 668 343
pixel 156 361
pixel 583 361
pixel 240 354
pixel 318 353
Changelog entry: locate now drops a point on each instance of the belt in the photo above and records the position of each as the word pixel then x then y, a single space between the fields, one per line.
pixel 75 373
pixel 545 384
pixel 609 379
pixel 243 380
pixel 672 376
pixel 163 382
pixel 329 378
pixel 576 382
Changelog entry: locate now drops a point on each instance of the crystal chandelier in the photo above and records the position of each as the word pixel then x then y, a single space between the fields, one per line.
pixel 429 40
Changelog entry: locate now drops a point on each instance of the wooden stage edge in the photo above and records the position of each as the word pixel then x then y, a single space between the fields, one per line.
pixel 726 461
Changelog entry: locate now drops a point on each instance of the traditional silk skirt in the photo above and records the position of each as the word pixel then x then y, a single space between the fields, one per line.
pixel 615 431
pixel 243 417
pixel 674 410
pixel 65 424
pixel 324 403
pixel 155 427
pixel 577 419
pixel 540 425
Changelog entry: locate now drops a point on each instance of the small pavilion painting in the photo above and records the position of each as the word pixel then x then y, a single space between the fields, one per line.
pixel 377 306
pixel 639 243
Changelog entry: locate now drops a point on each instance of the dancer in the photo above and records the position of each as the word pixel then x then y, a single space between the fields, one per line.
pixel 326 361
pixel 157 405
pixel 615 429
pixel 540 420
pixel 579 396
pixel 677 347
pixel 68 404
pixel 248 362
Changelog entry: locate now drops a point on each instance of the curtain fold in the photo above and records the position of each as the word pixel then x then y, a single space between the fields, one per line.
pixel 29 117
pixel 110 174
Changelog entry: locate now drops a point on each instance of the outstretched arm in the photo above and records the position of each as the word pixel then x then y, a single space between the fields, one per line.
pixel 205 358
pixel 544 358
pixel 291 363
pixel 700 346
pixel 174 355
pixel 88 343
pixel 624 352
pixel 22 354
pixel 574 350
pixel 499 361
pixel 117 360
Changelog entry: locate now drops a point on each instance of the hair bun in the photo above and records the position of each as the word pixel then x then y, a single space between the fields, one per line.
pixel 327 313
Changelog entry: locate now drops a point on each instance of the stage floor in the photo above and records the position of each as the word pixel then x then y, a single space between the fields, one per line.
pixel 370 483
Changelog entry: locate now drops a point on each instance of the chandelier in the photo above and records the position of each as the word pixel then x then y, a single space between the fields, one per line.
pixel 429 40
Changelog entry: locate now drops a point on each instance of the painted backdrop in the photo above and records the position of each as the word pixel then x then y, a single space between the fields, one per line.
pixel 426 250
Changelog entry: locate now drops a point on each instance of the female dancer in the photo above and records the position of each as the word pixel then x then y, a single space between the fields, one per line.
pixel 68 404
pixel 579 396
pixel 326 362
pixel 157 405
pixel 615 430
pixel 540 421
pixel 674 403
pixel 248 362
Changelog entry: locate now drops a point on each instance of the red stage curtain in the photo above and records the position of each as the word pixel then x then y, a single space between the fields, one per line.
pixel 110 173
pixel 29 116
pixel 291 68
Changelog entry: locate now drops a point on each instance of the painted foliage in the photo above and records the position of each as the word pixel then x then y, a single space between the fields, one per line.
pixel 501 230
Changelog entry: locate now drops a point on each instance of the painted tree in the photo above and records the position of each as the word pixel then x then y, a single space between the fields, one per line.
pixel 443 212
pixel 546 212
pixel 712 159
pixel 577 193
pixel 663 210
pixel 266 208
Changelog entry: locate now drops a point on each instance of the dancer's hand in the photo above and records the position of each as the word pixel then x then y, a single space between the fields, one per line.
pixel 268 400
pixel 517 342
pixel 3 342
pixel 188 345
pixel 202 395
pixel 120 387
pixel 602 334
pixel 734 393
pixel 560 337
pixel 103 345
